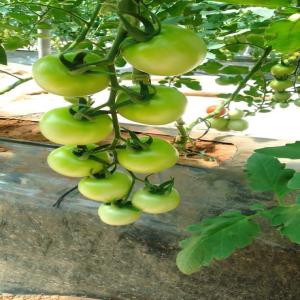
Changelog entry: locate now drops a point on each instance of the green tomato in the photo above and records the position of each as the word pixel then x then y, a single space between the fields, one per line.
pixel 281 71
pixel 158 156
pixel 297 102
pixel 238 125
pixel 165 106
pixel 174 51
pixel 114 215
pixel 155 203
pixel 59 126
pixel 54 77
pixel 108 189
pixel 280 85
pixel 63 161
pixel 236 114
pixel 219 123
pixel 284 105
pixel 281 96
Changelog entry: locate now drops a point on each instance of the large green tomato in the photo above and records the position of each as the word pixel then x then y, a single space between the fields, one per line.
pixel 63 161
pixel 108 189
pixel 54 77
pixel 155 203
pixel 160 155
pixel 59 126
pixel 174 51
pixel 280 85
pixel 165 106
pixel 112 214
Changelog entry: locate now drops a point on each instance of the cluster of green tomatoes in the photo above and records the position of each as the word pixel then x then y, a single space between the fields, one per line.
pixel 80 127
pixel 225 121
pixel 283 73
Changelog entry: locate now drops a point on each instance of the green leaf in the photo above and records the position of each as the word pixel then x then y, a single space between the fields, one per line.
pixel 190 83
pixel 266 174
pixel 224 80
pixel 288 220
pixel 294 183
pixel 215 238
pixel 262 3
pixel 3 57
pixel 234 70
pixel 288 151
pixel 211 67
pixel 284 35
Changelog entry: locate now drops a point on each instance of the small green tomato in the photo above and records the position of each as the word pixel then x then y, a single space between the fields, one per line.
pixel 236 114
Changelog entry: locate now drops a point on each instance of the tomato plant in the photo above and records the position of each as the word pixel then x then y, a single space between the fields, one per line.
pixel 174 39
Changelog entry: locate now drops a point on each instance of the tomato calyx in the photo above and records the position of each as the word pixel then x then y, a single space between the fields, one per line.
pixel 159 189
pixel 83 109
pixel 77 65
pixel 130 9
pixel 136 143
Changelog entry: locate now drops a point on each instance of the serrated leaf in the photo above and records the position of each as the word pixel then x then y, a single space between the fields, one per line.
pixel 284 35
pixel 294 182
pixel 216 239
pixel 225 80
pixel 211 67
pixel 288 151
pixel 3 57
pixel 267 174
pixel 261 3
pixel 234 70
pixel 288 218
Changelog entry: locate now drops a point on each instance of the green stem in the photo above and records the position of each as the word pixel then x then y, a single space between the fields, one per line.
pixel 183 136
pixel 14 85
pixel 242 84
pixel 86 27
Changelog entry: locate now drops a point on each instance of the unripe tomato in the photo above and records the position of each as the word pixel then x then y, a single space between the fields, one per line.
pixel 174 51
pixel 59 126
pixel 54 77
pixel 219 123
pixel 236 114
pixel 212 108
pixel 63 161
pixel 280 85
pixel 284 105
pixel 158 156
pixel 281 96
pixel 238 125
pixel 281 71
pixel 114 215
pixel 297 102
pixel 108 189
pixel 165 106
pixel 155 203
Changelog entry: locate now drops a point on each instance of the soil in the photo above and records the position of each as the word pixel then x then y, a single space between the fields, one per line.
pixel 200 152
